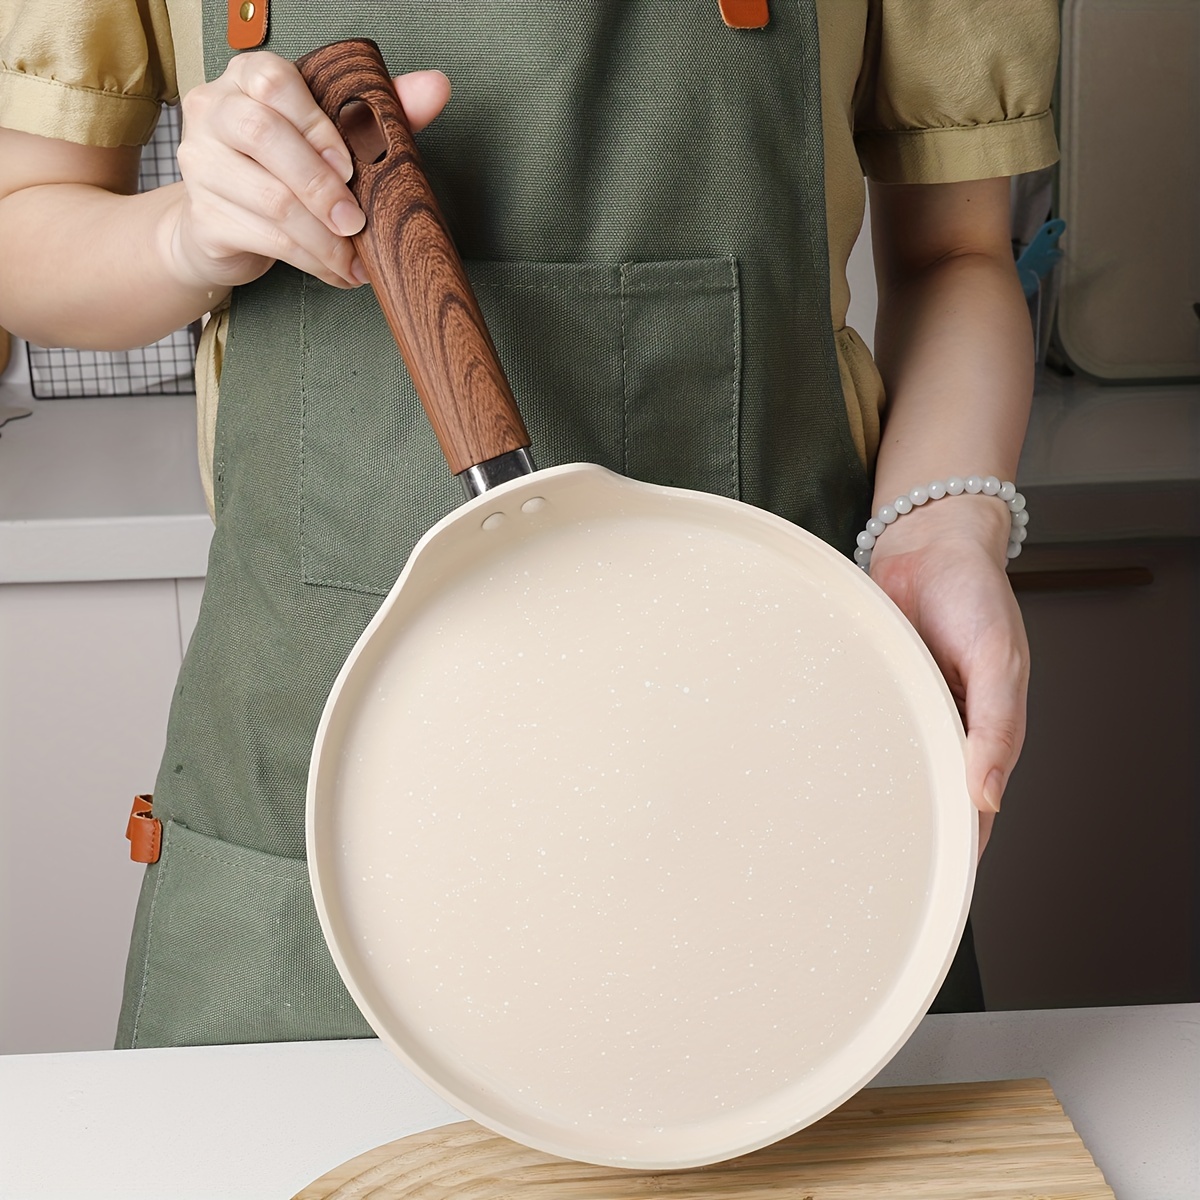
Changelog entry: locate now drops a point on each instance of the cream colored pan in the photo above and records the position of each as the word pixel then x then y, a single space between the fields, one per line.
pixel 637 820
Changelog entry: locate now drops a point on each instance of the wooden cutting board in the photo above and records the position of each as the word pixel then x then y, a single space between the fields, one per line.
pixel 971 1141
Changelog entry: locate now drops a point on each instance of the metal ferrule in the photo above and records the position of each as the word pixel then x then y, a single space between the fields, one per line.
pixel 486 475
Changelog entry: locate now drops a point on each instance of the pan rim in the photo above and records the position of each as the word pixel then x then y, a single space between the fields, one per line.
pixel 882 1049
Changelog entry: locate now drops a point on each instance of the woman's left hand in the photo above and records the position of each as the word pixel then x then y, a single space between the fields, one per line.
pixel 943 566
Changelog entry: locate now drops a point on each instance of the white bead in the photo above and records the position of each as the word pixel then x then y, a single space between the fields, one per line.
pixel 919 495
pixel 991 486
pixel 974 484
pixel 875 526
pixel 1018 534
pixel 1020 518
pixel 1017 503
pixel 862 556
pixel 1007 491
pixel 955 486
pixel 937 490
pixel 902 504
pixel 866 540
pixel 1014 548
pixel 887 514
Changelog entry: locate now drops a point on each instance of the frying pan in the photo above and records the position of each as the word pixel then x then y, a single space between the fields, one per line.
pixel 637 819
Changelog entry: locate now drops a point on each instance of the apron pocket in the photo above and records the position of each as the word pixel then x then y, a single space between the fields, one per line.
pixel 231 951
pixel 682 373
pixel 635 366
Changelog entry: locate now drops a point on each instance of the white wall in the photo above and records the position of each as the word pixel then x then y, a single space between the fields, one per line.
pixel 864 298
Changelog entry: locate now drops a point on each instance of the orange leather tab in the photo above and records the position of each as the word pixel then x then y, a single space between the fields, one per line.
pixel 144 831
pixel 247 24
pixel 141 804
pixel 739 14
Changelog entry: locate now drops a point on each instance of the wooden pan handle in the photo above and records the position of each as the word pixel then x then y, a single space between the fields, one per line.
pixel 412 262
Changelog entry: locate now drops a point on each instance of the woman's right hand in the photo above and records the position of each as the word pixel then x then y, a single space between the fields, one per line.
pixel 264 177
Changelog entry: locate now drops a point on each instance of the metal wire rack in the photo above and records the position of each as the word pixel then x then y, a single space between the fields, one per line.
pixel 164 368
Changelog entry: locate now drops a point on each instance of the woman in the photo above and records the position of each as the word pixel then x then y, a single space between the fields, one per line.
pixel 647 193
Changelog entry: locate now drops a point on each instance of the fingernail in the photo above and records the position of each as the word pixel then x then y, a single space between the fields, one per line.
pixel 359 271
pixel 993 789
pixel 340 164
pixel 347 218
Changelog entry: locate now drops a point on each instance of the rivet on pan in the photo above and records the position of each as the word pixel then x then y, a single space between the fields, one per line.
pixel 492 521
pixel 534 504
pixel 246 12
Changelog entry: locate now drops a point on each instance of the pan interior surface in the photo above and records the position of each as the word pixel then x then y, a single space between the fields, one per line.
pixel 637 823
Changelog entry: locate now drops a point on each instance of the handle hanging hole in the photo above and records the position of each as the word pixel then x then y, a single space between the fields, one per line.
pixel 364 135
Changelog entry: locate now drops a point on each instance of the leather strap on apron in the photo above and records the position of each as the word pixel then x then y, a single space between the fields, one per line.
pixel 144 831
pixel 246 27
pixel 742 14
pixel 246 24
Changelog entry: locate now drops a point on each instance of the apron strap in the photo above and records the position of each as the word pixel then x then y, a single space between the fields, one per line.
pixel 144 831
pixel 247 23
pixel 247 19
pixel 737 14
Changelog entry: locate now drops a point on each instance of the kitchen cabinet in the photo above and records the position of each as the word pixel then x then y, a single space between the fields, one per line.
pixel 88 670
pixel 1089 893
pixel 103 546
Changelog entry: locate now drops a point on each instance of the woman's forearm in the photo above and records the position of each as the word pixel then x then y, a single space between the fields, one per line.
pixel 955 348
pixel 954 345
pixel 83 260
pixel 86 267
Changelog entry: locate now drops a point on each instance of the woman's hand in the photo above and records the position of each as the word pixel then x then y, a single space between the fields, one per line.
pixel 943 566
pixel 84 261
pixel 264 177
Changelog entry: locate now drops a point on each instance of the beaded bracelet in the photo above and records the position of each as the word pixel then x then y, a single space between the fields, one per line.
pixel 989 485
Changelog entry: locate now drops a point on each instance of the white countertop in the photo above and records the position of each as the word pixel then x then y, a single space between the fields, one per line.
pixel 1087 433
pixel 101 489
pixel 109 488
pixel 1107 462
pixel 242 1122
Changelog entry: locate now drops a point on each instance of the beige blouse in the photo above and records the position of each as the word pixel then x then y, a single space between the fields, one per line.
pixel 913 91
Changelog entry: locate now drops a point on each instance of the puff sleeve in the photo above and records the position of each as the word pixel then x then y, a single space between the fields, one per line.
pixel 952 90
pixel 89 71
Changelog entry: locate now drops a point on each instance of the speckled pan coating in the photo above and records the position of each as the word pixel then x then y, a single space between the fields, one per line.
pixel 637 821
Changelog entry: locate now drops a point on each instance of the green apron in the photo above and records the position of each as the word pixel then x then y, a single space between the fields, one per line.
pixel 638 192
